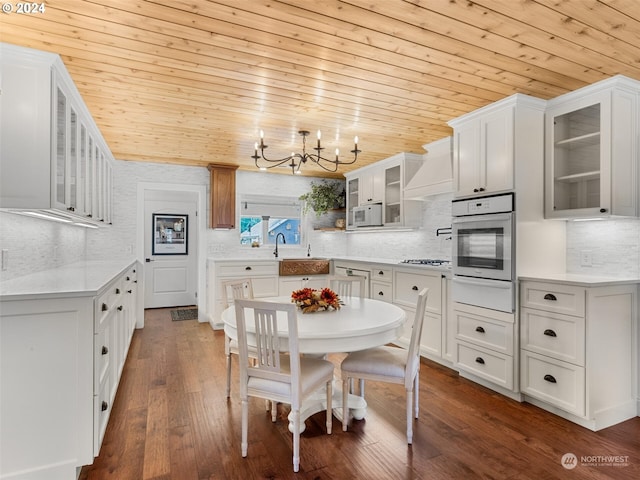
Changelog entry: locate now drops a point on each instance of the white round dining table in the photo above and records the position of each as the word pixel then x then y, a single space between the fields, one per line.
pixel 359 324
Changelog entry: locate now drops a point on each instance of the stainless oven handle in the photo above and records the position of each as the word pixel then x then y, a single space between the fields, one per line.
pixel 483 282
pixel 483 217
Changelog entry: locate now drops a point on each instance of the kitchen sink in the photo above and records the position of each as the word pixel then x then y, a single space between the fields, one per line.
pixel 304 266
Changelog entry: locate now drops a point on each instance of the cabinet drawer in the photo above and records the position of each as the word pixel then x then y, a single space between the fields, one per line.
pixel 553 334
pixel 381 291
pixel 246 269
pixel 487 364
pixel 407 286
pixel 102 356
pixel 107 302
pixel 558 383
pixel 381 274
pixel 102 410
pixel 484 332
pixel 553 297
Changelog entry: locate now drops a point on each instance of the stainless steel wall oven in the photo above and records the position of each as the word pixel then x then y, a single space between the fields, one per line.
pixel 483 263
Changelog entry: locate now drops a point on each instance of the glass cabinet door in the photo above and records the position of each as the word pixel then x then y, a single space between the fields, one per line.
pixel 392 195
pixel 61 149
pixel 353 195
pixel 576 153
pixel 73 161
pixel 577 159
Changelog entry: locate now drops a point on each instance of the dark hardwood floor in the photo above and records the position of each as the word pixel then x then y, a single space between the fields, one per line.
pixel 171 420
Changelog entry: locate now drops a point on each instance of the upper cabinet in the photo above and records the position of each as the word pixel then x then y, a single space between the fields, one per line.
pixel 591 154
pixel 383 183
pixel 222 211
pixel 485 145
pixel 53 159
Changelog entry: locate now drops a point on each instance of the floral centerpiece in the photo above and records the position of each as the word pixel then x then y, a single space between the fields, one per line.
pixel 310 300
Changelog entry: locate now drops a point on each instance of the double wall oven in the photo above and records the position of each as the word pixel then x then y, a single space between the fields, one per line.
pixel 483 263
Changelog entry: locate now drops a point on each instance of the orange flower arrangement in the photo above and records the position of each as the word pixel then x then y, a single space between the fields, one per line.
pixel 310 300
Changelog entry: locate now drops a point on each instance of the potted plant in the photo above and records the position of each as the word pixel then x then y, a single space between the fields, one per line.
pixel 324 196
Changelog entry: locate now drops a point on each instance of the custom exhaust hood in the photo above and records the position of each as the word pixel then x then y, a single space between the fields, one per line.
pixel 435 176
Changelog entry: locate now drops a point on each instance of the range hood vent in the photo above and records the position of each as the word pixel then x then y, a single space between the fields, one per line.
pixel 435 176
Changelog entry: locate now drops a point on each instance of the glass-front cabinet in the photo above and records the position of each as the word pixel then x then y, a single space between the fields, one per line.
pixel 578 178
pixel 383 183
pixel 393 195
pixel 50 133
pixel 591 151
pixel 353 194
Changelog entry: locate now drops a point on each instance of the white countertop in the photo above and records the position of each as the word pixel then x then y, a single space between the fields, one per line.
pixel 581 280
pixel 77 279
pixel 365 260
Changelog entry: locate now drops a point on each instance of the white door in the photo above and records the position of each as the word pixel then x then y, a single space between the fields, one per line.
pixel 170 249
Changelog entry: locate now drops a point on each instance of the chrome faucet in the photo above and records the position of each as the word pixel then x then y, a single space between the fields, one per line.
pixel 275 252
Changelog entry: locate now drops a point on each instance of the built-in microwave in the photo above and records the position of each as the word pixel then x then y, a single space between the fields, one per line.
pixel 368 215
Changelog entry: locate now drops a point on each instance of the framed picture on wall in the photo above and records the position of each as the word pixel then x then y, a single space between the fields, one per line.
pixel 170 234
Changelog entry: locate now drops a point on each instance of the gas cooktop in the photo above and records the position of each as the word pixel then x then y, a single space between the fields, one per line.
pixel 426 261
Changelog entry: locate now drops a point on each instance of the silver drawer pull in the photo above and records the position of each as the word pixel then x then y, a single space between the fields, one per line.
pixel 550 333
pixel 550 296
pixel 550 378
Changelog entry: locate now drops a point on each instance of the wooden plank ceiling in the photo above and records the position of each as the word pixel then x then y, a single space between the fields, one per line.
pixel 194 81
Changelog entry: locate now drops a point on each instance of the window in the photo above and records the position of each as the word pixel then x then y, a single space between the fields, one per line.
pixel 263 218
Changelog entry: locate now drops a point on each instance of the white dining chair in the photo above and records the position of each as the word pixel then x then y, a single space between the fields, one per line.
pixel 389 364
pixel 344 285
pixel 233 290
pixel 277 376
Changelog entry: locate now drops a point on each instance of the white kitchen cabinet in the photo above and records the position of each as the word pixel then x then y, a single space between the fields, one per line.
pixel 384 182
pixel 579 352
pixel 263 274
pixel 407 284
pixel 486 343
pixel 370 186
pixel 289 283
pixel 591 151
pixel 59 356
pixel 381 283
pixel 48 131
pixel 486 144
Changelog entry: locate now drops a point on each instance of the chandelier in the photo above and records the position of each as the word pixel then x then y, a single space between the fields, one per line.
pixel 296 160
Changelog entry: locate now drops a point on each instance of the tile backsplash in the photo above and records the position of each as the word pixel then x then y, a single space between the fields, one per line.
pixel 34 245
pixel 613 247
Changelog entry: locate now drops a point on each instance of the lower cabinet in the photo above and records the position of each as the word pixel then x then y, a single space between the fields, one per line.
pixel 288 284
pixel 60 361
pixel 263 274
pixel 578 349
pixel 407 284
pixel 486 346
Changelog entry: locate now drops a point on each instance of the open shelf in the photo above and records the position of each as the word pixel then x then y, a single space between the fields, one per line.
pixel 579 177
pixel 581 141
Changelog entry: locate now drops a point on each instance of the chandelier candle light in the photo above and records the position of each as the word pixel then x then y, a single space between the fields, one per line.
pixel 296 160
